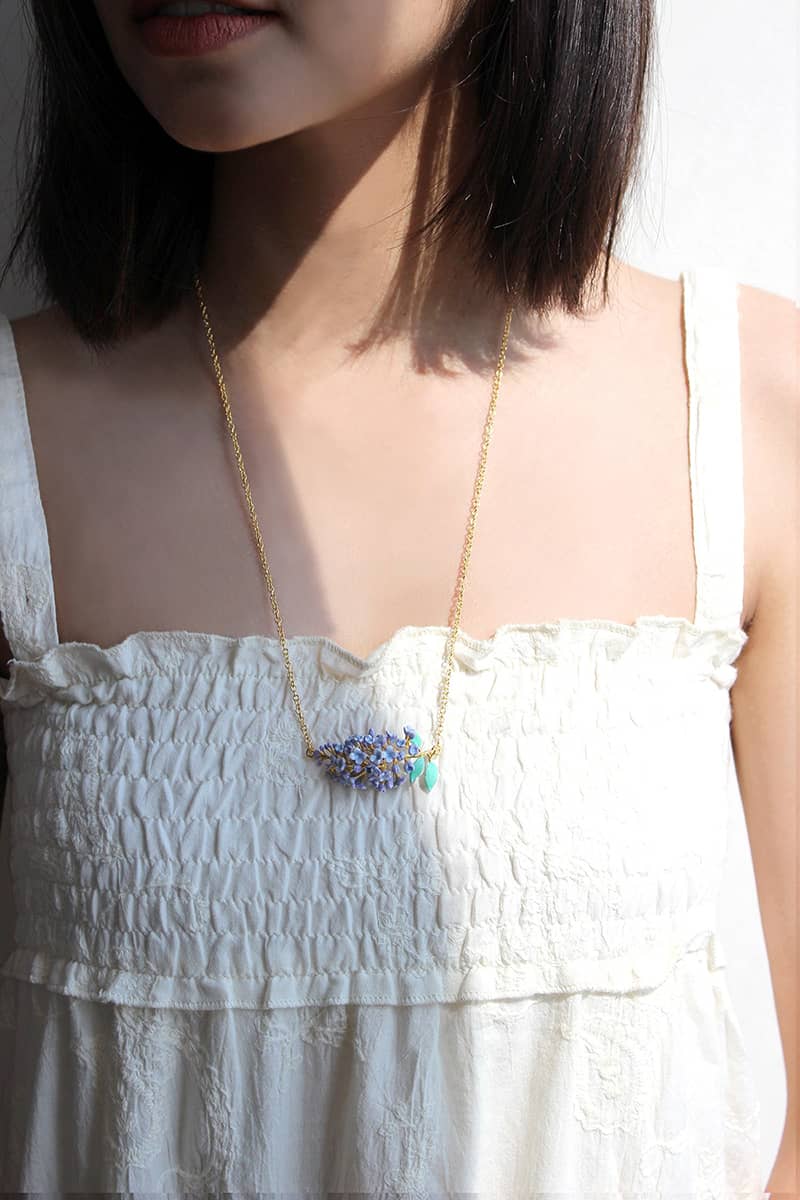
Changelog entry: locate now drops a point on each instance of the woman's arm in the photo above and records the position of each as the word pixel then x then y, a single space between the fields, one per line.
pixel 765 707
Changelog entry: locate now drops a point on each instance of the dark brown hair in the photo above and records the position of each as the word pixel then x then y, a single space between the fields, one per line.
pixel 114 211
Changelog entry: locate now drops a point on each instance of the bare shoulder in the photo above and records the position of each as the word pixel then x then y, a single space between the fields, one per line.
pixel 770 343
pixel 45 340
pixel 649 310
pixel 769 330
pixel 45 344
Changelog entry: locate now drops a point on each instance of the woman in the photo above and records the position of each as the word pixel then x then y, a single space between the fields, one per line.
pixel 379 904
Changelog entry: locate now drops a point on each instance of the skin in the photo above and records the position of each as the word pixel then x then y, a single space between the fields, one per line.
pixel 336 344
pixel 334 139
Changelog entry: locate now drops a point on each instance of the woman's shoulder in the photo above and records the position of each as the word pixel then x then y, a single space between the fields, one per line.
pixel 769 335
pixel 61 404
pixel 770 339
pixel 769 342
pixel 34 344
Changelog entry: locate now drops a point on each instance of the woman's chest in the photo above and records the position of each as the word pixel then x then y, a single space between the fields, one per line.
pixel 367 495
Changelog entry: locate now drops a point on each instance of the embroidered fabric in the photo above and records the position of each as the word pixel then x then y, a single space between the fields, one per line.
pixel 229 974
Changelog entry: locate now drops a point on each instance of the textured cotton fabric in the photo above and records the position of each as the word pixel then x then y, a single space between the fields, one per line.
pixel 231 974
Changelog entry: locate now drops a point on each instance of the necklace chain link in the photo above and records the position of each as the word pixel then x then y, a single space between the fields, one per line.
pixel 468 540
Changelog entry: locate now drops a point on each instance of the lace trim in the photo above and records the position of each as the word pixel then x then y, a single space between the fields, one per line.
pixel 159 652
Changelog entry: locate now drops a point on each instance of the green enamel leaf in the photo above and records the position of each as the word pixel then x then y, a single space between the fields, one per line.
pixel 431 775
pixel 417 769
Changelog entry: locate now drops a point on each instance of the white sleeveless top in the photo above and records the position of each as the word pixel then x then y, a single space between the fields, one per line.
pixel 230 973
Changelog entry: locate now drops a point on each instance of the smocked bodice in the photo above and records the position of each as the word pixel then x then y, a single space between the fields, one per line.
pixel 196 857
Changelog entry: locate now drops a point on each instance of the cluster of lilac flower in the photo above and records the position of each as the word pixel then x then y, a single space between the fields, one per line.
pixel 377 760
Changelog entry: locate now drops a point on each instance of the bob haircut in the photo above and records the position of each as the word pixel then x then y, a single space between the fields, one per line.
pixel 114 211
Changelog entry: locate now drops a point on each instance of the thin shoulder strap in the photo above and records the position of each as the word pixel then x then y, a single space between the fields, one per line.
pixel 711 333
pixel 27 596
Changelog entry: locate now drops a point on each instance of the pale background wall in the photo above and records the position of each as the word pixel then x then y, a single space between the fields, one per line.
pixel 723 187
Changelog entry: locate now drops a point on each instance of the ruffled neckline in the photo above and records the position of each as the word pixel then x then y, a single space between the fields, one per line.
pixel 151 652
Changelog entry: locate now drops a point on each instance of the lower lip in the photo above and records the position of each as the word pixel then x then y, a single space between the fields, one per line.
pixel 186 36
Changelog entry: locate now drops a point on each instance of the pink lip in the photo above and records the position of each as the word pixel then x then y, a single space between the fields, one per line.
pixel 141 10
pixel 185 37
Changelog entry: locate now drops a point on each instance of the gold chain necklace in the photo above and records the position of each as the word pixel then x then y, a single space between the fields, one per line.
pixel 374 759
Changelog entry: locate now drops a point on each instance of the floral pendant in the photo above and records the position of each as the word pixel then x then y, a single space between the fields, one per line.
pixel 378 760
